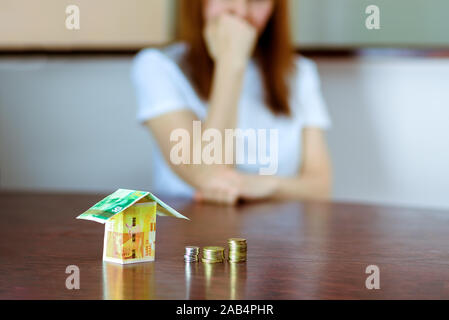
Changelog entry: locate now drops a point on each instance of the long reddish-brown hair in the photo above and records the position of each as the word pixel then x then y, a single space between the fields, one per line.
pixel 274 53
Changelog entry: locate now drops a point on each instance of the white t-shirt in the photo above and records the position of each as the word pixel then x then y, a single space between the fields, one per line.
pixel 162 87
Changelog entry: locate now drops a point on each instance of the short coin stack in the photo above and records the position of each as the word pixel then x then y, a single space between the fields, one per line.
pixel 191 254
pixel 237 249
pixel 213 254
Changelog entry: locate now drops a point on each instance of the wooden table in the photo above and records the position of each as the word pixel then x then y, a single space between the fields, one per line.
pixel 295 251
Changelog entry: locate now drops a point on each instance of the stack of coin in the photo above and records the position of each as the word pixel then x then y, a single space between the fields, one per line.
pixel 237 250
pixel 191 254
pixel 213 254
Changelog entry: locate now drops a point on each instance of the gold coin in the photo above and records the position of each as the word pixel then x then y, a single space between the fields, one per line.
pixel 211 261
pixel 213 248
pixel 232 246
pixel 237 250
pixel 220 253
pixel 213 258
pixel 213 252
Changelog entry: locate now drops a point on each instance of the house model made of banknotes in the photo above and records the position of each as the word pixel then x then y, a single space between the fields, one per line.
pixel 130 224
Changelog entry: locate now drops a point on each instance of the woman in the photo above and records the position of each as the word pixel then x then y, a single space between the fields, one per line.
pixel 235 68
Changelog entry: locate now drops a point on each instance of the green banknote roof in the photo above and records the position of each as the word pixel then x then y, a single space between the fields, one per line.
pixel 123 199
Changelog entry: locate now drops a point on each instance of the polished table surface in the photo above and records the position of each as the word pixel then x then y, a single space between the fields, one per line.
pixel 295 251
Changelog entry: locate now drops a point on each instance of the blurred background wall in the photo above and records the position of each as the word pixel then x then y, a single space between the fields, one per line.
pixel 131 24
pixel 67 122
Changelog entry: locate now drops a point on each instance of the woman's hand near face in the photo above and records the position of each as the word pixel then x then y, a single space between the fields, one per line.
pixel 230 40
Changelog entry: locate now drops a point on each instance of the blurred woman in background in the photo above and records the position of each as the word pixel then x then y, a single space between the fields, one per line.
pixel 235 67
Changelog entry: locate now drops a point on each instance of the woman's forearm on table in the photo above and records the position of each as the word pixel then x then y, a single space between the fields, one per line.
pixel 303 187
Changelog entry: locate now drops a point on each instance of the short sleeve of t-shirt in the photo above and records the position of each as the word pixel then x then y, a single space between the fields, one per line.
pixel 158 83
pixel 308 94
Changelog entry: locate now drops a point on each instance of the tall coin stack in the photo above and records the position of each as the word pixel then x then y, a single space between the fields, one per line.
pixel 191 254
pixel 237 249
pixel 213 254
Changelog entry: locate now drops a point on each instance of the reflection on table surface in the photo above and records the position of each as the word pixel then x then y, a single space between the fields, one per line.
pixel 132 281
pixel 138 281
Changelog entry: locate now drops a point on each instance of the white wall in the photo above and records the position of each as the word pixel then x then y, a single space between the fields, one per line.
pixel 68 124
pixel 390 141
